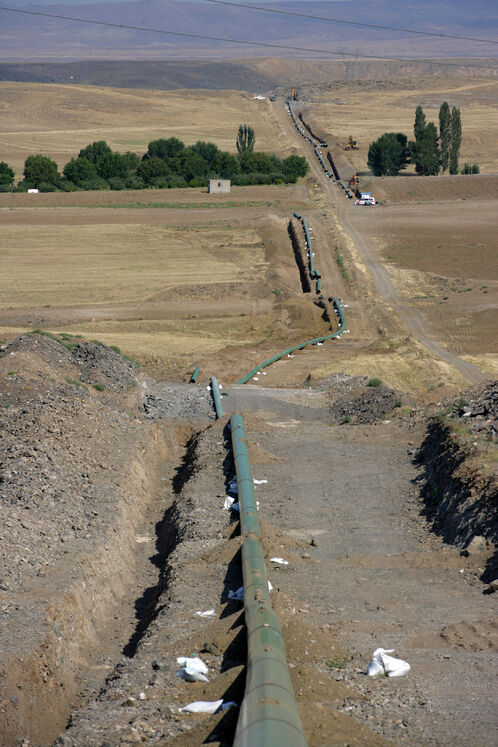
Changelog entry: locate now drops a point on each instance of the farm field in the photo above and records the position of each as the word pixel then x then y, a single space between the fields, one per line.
pixel 441 258
pixel 58 120
pixel 177 277
pixel 367 109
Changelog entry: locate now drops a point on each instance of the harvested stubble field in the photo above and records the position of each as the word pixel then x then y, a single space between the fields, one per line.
pixel 442 257
pixel 367 109
pixel 165 284
pixel 58 120
pixel 177 277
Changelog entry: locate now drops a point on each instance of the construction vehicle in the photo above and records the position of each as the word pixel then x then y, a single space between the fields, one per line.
pixel 352 144
pixel 354 182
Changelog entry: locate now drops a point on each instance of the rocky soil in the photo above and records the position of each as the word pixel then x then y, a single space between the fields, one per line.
pixel 114 537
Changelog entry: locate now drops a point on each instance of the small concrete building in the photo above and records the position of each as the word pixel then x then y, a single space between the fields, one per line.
pixel 219 186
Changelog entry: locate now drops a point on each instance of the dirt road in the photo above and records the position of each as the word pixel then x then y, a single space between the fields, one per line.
pixel 410 316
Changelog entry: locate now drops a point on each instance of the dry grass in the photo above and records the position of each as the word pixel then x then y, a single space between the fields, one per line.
pixel 367 110
pixel 58 120
pixel 64 265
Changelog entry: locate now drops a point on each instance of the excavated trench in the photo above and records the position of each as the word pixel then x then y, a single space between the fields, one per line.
pixel 87 614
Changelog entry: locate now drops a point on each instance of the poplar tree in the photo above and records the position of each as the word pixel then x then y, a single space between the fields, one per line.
pixel 245 139
pixel 445 135
pixel 456 139
pixel 420 123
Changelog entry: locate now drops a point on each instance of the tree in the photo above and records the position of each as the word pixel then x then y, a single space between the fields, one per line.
pixel 456 139
pixel 79 170
pixel 208 151
pixel 445 135
pixel 95 151
pixel 151 169
pixel 257 163
pixel 293 167
pixel 6 173
pixel 132 160
pixel 245 139
pixel 227 165
pixel 165 148
pixel 388 154
pixel 112 165
pixel 192 165
pixel 40 169
pixel 420 123
pixel 425 152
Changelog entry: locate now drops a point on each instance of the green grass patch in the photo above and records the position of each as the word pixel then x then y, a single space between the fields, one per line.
pixel 76 382
pixel 99 387
pixel 346 419
pixel 342 268
pixel 338 662
pixel 178 205
pixel 374 382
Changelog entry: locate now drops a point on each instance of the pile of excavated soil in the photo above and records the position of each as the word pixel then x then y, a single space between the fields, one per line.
pixel 353 401
pixel 460 473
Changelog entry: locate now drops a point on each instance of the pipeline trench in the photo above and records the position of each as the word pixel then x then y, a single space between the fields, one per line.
pixel 361 571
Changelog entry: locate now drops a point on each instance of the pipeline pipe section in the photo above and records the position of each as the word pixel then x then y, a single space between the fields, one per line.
pixel 317 144
pixel 268 714
pixel 215 391
pixel 340 315
pixel 195 374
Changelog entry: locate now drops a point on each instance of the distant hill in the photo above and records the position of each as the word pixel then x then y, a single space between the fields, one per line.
pixel 26 38
pixel 260 75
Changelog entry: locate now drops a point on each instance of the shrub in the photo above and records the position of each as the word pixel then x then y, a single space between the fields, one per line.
pixel 374 382
pixel 99 387
pixel 346 419
pixel 46 187
pixel 135 182
pixel 116 183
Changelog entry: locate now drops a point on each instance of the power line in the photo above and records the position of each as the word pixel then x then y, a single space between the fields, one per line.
pixel 150 30
pixel 350 23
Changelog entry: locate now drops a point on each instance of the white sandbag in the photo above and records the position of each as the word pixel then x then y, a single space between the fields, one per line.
pixel 279 560
pixel 394 667
pixel 192 669
pixel 202 706
pixel 259 482
pixel 205 613
pixel 228 503
pixel 383 664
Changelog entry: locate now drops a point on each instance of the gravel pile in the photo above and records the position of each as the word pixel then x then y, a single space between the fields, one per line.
pixel 178 402
pixel 98 363
pixel 480 409
pixel 62 450
pixel 339 383
pixel 366 405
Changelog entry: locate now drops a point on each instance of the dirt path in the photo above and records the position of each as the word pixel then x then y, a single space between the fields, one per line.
pixel 409 315
pixel 378 576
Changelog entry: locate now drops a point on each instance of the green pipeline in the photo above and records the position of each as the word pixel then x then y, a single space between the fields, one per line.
pixel 215 391
pixel 268 714
pixel 195 374
pixel 299 346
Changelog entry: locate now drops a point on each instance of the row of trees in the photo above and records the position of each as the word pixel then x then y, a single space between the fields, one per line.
pixel 167 163
pixel 430 152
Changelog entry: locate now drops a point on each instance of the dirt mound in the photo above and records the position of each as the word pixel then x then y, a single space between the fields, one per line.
pixel 356 402
pixel 459 483
pixel 98 363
